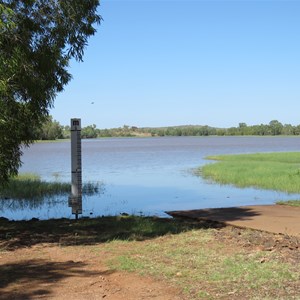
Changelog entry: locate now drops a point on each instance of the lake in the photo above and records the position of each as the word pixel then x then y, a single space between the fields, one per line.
pixel 143 175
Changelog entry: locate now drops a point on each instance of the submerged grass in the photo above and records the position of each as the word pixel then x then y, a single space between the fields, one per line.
pixel 274 171
pixel 29 186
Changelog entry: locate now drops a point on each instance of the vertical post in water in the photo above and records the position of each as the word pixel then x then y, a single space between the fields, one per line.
pixel 75 199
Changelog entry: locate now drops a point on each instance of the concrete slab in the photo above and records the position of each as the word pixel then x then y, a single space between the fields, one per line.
pixel 272 218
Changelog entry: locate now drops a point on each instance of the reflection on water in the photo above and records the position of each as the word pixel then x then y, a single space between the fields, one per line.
pixel 25 204
pixel 144 175
pixel 49 205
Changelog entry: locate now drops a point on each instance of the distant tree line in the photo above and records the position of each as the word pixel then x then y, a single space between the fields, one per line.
pixel 52 130
pixel 273 128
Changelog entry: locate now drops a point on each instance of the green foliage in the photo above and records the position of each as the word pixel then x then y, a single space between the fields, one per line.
pixel 188 130
pixel 275 171
pixel 66 132
pixel 37 41
pixel 89 132
pixel 50 130
pixel 273 128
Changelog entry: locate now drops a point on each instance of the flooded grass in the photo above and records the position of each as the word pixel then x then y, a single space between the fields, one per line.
pixel 30 187
pixel 272 171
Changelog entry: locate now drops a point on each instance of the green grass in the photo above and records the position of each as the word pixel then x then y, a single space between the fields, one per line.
pixel 289 203
pixel 273 171
pixel 29 186
pixel 201 266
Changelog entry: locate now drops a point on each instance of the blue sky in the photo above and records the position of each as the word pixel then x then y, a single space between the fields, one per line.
pixel 162 63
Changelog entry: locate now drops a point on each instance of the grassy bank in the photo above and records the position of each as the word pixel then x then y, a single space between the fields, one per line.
pixel 295 203
pixel 205 261
pixel 273 171
pixel 196 261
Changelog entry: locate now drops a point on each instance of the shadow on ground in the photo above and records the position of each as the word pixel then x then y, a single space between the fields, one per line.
pixel 65 232
pixel 37 276
pixel 216 214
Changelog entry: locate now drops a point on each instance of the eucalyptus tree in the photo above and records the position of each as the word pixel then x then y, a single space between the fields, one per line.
pixel 50 130
pixel 37 41
pixel 275 127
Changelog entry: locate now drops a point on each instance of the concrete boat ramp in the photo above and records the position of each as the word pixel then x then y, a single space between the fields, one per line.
pixel 272 218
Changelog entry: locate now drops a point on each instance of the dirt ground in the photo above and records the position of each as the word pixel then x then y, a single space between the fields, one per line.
pixel 50 272
pixel 34 268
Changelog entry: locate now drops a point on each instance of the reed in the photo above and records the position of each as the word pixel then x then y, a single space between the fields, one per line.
pixel 29 186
